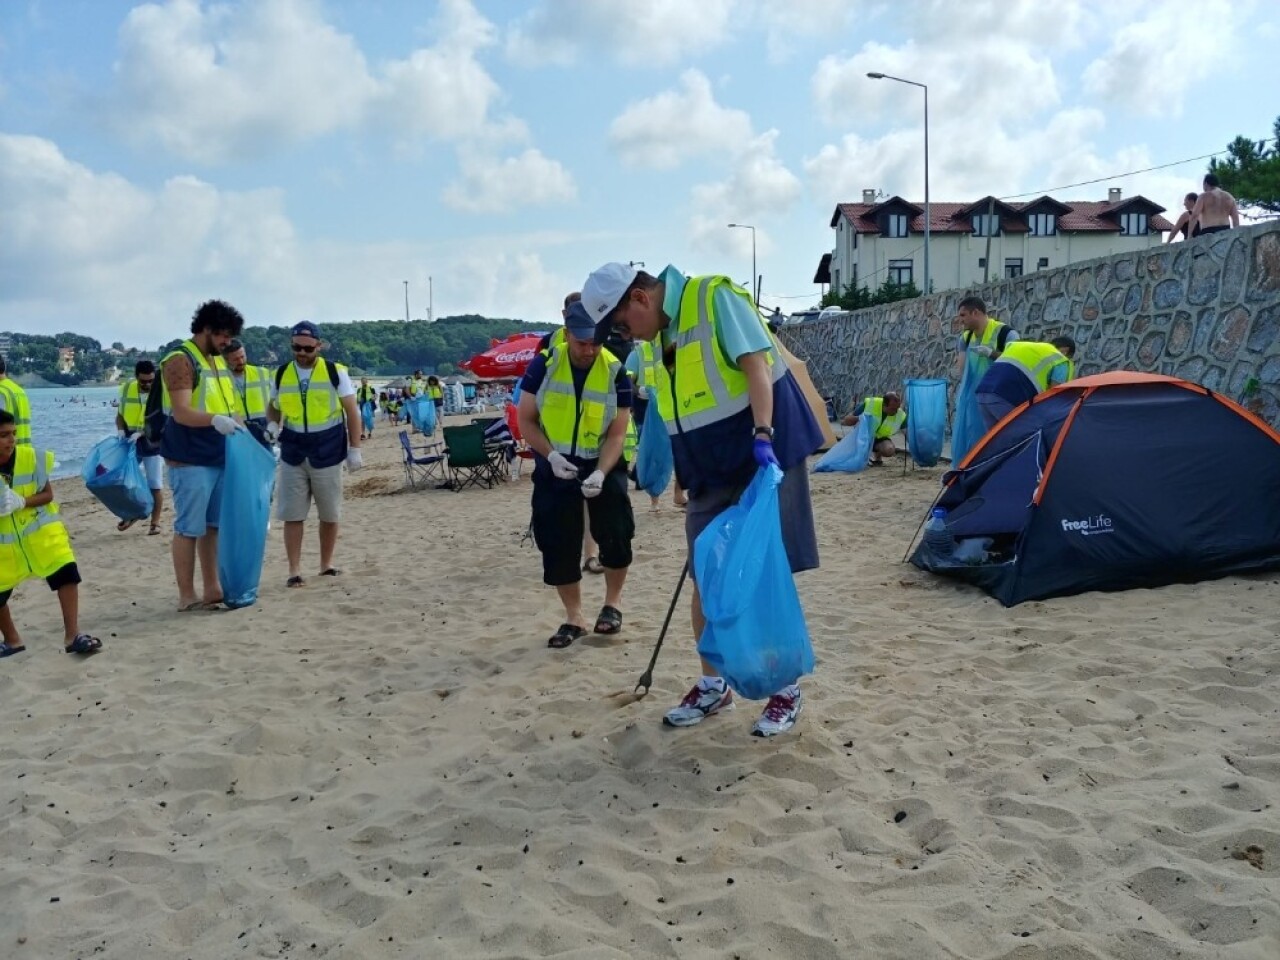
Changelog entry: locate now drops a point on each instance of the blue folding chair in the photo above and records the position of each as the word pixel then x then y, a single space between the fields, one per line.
pixel 422 467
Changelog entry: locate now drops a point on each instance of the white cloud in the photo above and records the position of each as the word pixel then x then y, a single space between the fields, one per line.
pixel 664 130
pixel 489 185
pixel 634 32
pixel 218 82
pixel 759 188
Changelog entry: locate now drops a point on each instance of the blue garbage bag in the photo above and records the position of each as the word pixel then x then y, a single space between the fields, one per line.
pixel 113 475
pixel 654 463
pixel 247 483
pixel 926 420
pixel 852 452
pixel 422 414
pixel 968 428
pixel 755 635
pixel 367 412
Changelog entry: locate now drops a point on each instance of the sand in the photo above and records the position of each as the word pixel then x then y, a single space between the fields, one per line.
pixel 392 763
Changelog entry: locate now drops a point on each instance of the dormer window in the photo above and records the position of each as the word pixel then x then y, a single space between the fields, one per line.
pixel 1042 224
pixel 986 225
pixel 895 225
pixel 1134 224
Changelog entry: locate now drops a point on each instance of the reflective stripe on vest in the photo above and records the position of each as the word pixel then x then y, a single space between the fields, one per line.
pixel 256 396
pixel 214 392
pixel 16 402
pixel 989 334
pixel 33 541
pixel 576 428
pixel 874 406
pixel 1035 361
pixel 707 388
pixel 315 409
pixel 133 405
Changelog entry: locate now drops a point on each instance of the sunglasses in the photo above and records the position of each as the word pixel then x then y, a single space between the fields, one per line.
pixel 303 348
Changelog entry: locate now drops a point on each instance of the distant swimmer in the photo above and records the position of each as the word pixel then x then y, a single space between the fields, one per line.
pixel 1215 210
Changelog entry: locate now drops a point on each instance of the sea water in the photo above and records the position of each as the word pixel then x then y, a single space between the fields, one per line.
pixel 69 421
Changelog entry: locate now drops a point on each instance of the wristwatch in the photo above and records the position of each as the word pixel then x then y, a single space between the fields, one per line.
pixel 767 431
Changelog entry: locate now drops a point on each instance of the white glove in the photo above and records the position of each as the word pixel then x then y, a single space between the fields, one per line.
pixel 592 486
pixel 273 431
pixel 984 351
pixel 122 435
pixel 225 425
pixel 561 467
pixel 10 502
pixel 355 459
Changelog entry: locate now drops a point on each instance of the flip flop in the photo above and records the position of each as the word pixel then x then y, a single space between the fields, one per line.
pixel 610 621
pixel 154 531
pixel 193 605
pixel 593 565
pixel 565 635
pixel 84 645
pixel 294 582
pixel 331 572
pixel 124 525
pixel 8 651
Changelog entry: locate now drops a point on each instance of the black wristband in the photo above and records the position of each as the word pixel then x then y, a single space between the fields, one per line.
pixel 767 431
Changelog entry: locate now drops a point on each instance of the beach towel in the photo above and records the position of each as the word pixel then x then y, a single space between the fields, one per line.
pixel 113 475
pixel 927 420
pixel 853 452
pixel 755 635
pixel 654 462
pixel 247 484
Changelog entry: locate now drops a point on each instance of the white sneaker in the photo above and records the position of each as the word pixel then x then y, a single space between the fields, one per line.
pixel 780 713
pixel 699 703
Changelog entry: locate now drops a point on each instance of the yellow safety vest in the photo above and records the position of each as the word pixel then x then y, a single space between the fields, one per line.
pixel 653 373
pixel 256 396
pixel 411 388
pixel 874 406
pixel 577 428
pixel 14 399
pixel 214 392
pixel 33 541
pixel 706 386
pixel 1036 361
pixel 133 405
pixel 558 339
pixel 322 409
pixel 436 392
pixel 366 394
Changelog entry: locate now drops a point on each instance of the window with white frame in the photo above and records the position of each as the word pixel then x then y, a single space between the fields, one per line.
pixel 895 225
pixel 986 225
pixel 1133 224
pixel 901 272
pixel 1012 267
pixel 1042 224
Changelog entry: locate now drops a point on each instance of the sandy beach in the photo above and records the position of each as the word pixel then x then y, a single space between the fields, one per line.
pixel 392 763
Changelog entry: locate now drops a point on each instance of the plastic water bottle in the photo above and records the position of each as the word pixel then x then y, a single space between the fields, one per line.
pixel 939 540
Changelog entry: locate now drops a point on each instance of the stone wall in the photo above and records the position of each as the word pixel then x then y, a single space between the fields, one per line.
pixel 1207 310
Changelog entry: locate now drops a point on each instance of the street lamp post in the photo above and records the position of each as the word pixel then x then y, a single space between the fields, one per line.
pixel 406 301
pixel 925 88
pixel 755 291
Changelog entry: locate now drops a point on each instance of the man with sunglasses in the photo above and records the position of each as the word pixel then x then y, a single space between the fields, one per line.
pixel 130 417
pixel 313 407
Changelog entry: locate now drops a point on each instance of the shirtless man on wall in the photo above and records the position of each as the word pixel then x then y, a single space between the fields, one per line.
pixel 1214 209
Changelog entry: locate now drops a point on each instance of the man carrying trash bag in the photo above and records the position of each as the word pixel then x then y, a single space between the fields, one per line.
pixel 736 409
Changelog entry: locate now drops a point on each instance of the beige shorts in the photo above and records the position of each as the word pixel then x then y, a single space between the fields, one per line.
pixel 299 485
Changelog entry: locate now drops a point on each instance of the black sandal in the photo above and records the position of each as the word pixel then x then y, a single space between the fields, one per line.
pixel 565 636
pixel 610 620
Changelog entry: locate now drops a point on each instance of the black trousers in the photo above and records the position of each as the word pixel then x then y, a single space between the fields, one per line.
pixel 558 524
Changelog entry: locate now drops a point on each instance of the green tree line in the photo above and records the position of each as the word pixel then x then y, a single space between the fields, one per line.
pixel 1251 171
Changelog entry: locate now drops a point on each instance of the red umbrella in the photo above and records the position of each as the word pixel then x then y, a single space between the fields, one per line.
pixel 505 359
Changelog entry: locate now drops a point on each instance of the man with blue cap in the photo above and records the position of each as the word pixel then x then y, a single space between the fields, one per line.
pixel 575 405
pixel 736 408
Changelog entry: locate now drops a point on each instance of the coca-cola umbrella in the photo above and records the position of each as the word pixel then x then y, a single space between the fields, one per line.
pixel 505 359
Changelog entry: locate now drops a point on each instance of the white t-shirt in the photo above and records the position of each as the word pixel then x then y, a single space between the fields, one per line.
pixel 345 386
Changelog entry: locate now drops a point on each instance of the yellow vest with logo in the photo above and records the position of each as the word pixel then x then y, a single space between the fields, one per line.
pixel 705 385
pixel 16 402
pixel 874 406
pixel 1036 361
pixel 33 541
pixel 252 403
pixel 215 391
pixel 133 405
pixel 322 409
pixel 577 428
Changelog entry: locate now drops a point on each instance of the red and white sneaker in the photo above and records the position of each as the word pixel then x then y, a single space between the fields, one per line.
pixel 780 713
pixel 699 703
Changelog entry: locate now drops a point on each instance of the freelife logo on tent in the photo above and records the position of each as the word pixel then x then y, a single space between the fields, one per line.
pixel 1090 526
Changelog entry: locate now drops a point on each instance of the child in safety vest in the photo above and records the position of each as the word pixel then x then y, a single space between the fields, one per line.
pixel 33 541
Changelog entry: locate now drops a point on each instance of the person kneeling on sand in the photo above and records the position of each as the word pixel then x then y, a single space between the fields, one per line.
pixel 891 416
pixel 575 405
pixel 33 541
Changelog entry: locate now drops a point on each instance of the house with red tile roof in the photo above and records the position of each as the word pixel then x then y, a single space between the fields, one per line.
pixel 883 239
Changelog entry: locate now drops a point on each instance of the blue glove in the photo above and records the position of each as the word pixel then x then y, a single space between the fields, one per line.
pixel 762 450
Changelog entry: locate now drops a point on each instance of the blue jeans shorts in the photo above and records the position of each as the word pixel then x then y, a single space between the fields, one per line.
pixel 197 498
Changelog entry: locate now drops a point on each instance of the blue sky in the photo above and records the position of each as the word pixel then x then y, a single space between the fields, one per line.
pixel 302 158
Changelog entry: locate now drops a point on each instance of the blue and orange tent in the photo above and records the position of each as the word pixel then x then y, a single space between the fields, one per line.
pixel 1112 482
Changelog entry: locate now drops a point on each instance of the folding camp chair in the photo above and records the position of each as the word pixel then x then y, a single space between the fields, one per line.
pixel 466 457
pixel 421 468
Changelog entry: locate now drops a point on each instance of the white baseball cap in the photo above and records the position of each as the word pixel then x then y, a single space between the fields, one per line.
pixel 605 287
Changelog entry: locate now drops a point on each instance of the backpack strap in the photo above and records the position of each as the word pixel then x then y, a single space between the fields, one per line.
pixel 333 373
pixel 1002 337
pixel 280 374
